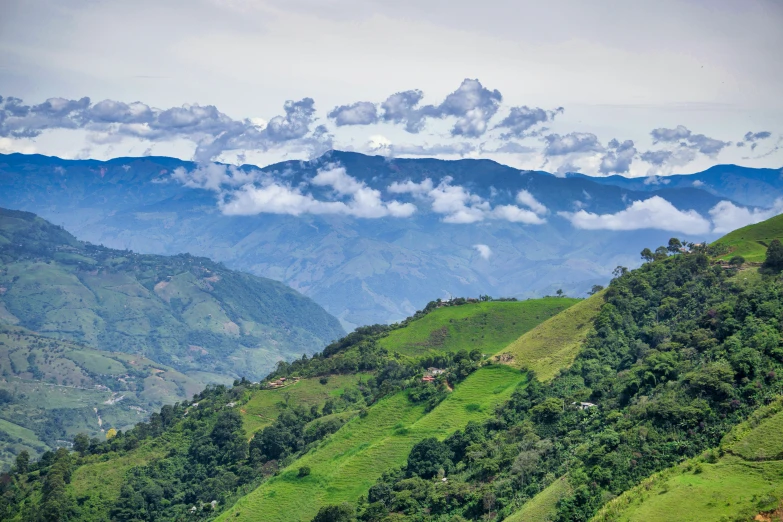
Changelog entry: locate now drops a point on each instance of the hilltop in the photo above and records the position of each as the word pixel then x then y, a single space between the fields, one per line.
pixel 751 242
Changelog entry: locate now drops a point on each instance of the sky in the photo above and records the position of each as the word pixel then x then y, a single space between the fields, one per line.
pixel 601 87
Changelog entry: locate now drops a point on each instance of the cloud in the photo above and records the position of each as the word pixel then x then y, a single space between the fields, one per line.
pixel 753 137
pixel 521 119
pixel 459 205
pixel 698 183
pixel 401 107
pixel 527 199
pixel 212 131
pixel 654 213
pixel 256 192
pixel 727 216
pixel 512 147
pixel 484 251
pixel 685 138
pixel 574 142
pixel 618 158
pixel 359 113
pixel 656 157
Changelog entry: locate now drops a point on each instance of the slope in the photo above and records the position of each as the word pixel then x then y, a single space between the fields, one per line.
pixel 490 325
pixel 350 462
pixel 739 480
pixel 553 344
pixel 751 242
pixel 182 311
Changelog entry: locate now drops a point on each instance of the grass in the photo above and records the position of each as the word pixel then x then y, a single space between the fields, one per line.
pixel 265 405
pixel 543 506
pixel 731 488
pixel 487 326
pixel 745 481
pixel 553 344
pixel 765 442
pixel 345 466
pixel 751 242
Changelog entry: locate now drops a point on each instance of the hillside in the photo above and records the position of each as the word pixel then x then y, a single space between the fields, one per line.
pixel 740 480
pixel 669 362
pixel 361 270
pixel 751 242
pixel 93 338
pixel 182 311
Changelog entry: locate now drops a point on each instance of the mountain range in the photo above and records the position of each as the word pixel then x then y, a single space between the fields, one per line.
pixel 367 269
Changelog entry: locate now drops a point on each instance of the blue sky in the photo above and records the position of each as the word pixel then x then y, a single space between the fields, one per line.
pixel 634 88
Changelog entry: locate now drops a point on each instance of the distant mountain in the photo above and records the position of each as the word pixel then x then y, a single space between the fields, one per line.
pixel 361 270
pixel 758 187
pixel 186 312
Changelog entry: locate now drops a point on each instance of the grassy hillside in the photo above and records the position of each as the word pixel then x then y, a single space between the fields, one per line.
pixel 351 461
pixel 185 312
pixel 738 481
pixel 553 344
pixel 751 242
pixel 488 325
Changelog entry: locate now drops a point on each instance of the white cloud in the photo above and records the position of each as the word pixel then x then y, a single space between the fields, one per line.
pixel 410 187
pixel 727 216
pixel 527 199
pixel 213 176
pixel 656 213
pixel 698 183
pixel 517 215
pixel 484 251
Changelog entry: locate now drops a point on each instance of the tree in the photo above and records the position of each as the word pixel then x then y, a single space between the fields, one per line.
pixel 81 443
pixel 342 513
pixel 22 462
pixel 595 289
pixel 674 245
pixel 429 456
pixel 304 471
pixel 737 261
pixel 661 253
pixel 111 434
pixel 647 255
pixel 774 260
pixel 559 292
pixel 620 271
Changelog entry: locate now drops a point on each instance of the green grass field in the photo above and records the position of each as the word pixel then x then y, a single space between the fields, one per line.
pixel 265 405
pixel 737 486
pixel 765 442
pixel 553 344
pixel 751 242
pixel 543 506
pixel 350 461
pixel 487 326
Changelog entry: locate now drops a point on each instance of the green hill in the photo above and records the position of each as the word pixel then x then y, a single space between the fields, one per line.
pixel 737 481
pixel 751 242
pixel 490 324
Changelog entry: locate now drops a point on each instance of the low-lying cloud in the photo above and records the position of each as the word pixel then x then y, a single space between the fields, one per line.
pixel 727 216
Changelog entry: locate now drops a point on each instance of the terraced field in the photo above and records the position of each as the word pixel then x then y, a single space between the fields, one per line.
pixel 487 326
pixel 346 465
pixel 265 405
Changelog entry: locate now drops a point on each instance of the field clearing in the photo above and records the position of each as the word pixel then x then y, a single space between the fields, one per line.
pixel 265 405
pixel 751 242
pixel 486 326
pixel 553 344
pixel 765 442
pixel 542 507
pixel 348 463
pixel 28 437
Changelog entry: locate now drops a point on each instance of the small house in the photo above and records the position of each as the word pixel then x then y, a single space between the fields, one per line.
pixel 583 405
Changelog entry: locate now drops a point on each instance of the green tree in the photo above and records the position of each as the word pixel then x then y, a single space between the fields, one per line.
pixel 81 443
pixel 429 456
pixel 647 255
pixel 304 471
pixel 674 245
pixel 22 462
pixel 737 261
pixel 342 513
pixel 774 260
pixel 595 289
